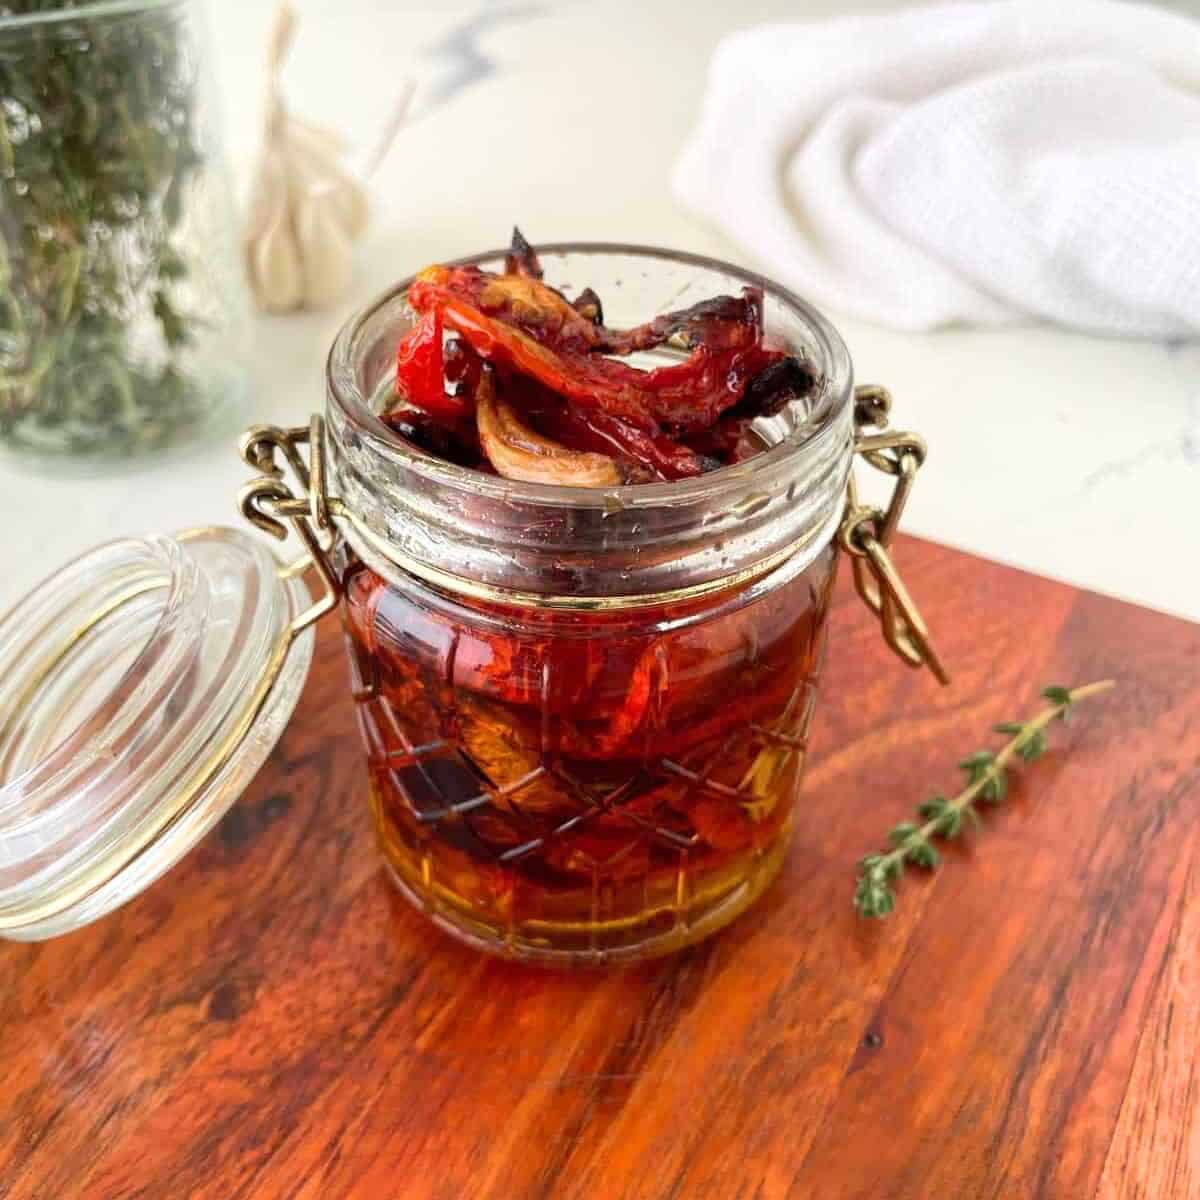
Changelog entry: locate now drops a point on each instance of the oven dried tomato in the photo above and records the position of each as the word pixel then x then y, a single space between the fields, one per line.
pixel 559 370
pixel 420 371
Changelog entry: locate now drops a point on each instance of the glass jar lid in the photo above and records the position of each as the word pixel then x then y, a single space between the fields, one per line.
pixel 141 688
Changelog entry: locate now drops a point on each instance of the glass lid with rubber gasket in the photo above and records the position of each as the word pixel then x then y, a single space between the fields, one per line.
pixel 141 688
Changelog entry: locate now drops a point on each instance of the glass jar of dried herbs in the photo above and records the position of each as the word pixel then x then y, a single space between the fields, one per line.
pixel 122 312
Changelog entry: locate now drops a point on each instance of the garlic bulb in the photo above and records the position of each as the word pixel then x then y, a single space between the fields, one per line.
pixel 325 246
pixel 272 255
pixel 306 207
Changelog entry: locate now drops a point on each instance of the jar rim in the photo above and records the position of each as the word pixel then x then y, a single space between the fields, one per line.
pixel 835 382
pixel 85 12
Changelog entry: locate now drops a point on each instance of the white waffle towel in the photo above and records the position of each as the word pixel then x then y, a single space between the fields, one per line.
pixel 977 163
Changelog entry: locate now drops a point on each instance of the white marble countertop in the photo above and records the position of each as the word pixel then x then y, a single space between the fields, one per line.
pixel 1071 456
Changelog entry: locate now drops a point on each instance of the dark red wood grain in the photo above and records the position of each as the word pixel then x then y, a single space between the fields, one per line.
pixel 269 1020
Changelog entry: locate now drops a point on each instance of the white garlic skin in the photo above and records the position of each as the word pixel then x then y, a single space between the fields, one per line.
pixel 272 255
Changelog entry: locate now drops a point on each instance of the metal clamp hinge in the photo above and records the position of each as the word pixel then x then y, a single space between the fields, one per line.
pixel 866 532
pixel 269 501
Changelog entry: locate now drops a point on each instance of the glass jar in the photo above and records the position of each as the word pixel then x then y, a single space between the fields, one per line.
pixel 122 309
pixel 585 711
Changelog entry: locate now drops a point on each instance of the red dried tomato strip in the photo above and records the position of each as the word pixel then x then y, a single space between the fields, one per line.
pixel 722 323
pixel 686 395
pixel 587 304
pixel 625 722
pixel 420 372
pixel 456 442
pixel 731 439
pixel 521 299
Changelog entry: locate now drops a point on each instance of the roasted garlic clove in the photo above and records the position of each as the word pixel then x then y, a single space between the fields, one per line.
pixel 518 452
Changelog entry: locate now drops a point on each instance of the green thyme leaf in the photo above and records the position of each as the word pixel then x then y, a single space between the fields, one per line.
pixel 1033 747
pixel 873 897
pixel 949 824
pixel 922 854
pixel 996 788
pixel 981 758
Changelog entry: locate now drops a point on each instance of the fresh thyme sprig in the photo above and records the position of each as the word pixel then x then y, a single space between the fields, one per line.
pixel 987 781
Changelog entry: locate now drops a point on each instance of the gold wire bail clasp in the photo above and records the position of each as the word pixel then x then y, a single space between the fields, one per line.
pixel 269 500
pixel 867 531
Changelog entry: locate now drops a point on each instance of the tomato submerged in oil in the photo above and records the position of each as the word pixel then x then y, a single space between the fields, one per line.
pixel 586 784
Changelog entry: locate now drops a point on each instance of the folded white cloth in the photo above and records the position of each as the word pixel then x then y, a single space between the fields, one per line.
pixel 980 163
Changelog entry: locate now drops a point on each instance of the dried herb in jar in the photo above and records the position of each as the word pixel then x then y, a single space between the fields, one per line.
pixel 97 149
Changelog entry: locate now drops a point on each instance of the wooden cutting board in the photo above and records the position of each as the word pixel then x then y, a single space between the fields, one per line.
pixel 271 1021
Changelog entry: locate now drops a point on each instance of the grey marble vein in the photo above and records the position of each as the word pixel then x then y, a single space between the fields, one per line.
pixel 460 57
pixel 1182 447
pixel 1190 441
